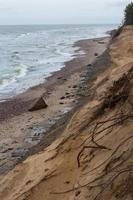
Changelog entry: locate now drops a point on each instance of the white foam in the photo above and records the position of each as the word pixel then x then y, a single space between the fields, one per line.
pixel 39 53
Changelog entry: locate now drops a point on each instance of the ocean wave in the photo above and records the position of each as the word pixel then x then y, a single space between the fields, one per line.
pixel 30 54
pixel 21 71
pixel 18 72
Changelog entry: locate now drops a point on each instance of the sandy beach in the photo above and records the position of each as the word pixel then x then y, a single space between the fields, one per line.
pixel 24 133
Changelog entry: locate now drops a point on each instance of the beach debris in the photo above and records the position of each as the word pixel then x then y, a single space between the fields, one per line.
pixel 96 54
pixel 38 105
pixel 75 86
pixel 67 182
pixel 59 78
pixel 62 98
pixel 67 93
pixel 101 42
pixel 77 193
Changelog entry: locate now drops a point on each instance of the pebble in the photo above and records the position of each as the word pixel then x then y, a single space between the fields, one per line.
pixel 67 182
pixel 96 54
pixel 77 193
pixel 67 93
pixel 75 86
pixel 62 98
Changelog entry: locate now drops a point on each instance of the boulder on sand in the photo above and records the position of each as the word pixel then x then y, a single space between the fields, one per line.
pixel 38 105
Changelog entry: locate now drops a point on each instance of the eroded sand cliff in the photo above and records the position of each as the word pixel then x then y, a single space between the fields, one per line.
pixel 93 158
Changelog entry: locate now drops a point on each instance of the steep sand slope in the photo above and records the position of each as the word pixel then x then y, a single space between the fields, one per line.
pixel 93 158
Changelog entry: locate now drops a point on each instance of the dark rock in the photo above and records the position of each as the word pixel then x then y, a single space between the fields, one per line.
pixel 100 42
pixel 89 65
pixel 62 98
pixel 75 86
pixel 61 103
pixel 96 54
pixel 67 93
pixel 67 182
pixel 77 193
pixel 38 105
pixel 6 150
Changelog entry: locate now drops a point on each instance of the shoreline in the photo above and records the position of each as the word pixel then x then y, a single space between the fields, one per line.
pixel 55 77
pixel 50 76
pixel 24 132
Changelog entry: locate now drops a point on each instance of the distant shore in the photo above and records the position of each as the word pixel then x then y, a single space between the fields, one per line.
pixel 23 130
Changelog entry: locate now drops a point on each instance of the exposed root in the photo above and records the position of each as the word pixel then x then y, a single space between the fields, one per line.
pixel 116 121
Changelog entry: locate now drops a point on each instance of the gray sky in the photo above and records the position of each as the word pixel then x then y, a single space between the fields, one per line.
pixel 61 11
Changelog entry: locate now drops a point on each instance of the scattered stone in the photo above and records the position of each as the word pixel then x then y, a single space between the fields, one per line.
pixel 38 105
pixel 96 54
pixel 67 93
pixel 62 98
pixel 101 42
pixel 6 150
pixel 31 127
pixel 67 182
pixel 89 65
pixel 75 86
pixel 77 193
pixel 61 103
pixel 68 96
pixel 59 78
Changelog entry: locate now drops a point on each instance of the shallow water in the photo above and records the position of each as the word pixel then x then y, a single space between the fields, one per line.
pixel 29 54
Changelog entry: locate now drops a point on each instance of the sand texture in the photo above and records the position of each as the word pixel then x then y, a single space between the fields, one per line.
pixel 92 158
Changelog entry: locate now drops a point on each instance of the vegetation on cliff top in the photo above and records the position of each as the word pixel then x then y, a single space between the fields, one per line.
pixel 129 14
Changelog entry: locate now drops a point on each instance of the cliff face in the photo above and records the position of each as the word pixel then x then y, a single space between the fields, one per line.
pixel 93 159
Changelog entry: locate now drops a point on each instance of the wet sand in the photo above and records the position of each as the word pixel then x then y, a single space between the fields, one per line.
pixel 21 131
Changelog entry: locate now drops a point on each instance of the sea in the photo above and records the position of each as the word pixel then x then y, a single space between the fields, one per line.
pixel 31 53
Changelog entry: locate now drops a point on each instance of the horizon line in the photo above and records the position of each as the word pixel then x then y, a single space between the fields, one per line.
pixel 61 24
